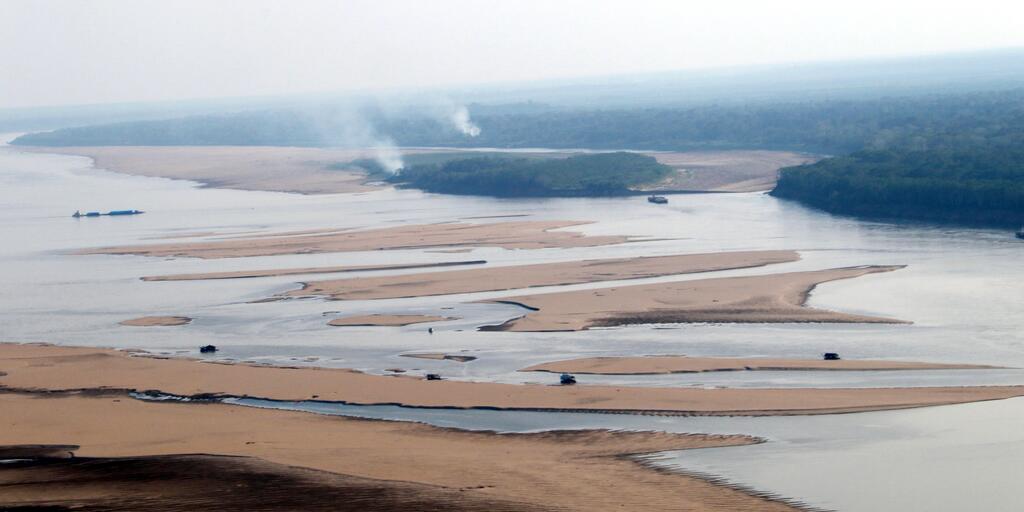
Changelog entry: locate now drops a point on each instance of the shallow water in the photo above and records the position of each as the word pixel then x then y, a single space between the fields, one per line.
pixel 961 289
pixel 953 458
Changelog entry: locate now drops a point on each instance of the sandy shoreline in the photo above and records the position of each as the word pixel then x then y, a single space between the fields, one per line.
pixel 441 356
pixel 542 274
pixel 653 365
pixel 247 274
pixel 153 321
pixel 49 368
pixel 554 470
pixel 769 298
pixel 386 320
pixel 507 235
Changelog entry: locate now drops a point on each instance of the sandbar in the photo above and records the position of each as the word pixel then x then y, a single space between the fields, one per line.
pixel 40 368
pixel 276 169
pixel 153 321
pixel 653 365
pixel 507 235
pixel 247 274
pixel 385 320
pixel 773 298
pixel 543 274
pixel 725 171
pixel 421 466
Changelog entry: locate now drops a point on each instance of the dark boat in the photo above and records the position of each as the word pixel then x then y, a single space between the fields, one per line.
pixel 657 199
pixel 207 349
pixel 831 356
pixel 567 380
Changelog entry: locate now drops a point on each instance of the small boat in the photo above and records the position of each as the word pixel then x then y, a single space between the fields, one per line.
pixel 207 349
pixel 831 356
pixel 1020 233
pixel 79 214
pixel 567 380
pixel 433 376
pixel 657 199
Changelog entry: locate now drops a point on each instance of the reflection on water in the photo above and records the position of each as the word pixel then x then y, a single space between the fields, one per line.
pixel 952 458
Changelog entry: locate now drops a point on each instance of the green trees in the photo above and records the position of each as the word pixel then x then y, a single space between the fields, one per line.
pixel 602 174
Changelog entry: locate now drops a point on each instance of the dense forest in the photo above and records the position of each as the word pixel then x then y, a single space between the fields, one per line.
pixel 951 157
pixel 602 174
pixel 830 127
pixel 981 183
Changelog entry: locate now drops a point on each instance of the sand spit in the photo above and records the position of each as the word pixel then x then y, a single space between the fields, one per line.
pixel 440 356
pixel 770 298
pixel 275 169
pixel 152 321
pixel 543 274
pixel 652 365
pixel 726 171
pixel 49 368
pixel 246 274
pixel 385 320
pixel 508 235
pixel 370 464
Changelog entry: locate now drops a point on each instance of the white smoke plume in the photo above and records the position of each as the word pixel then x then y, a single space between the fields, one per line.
pixel 387 155
pixel 460 119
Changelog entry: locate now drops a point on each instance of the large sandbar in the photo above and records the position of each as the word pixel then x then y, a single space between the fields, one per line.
pixel 772 298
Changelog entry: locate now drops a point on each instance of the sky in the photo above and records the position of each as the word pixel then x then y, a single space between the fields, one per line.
pixel 62 52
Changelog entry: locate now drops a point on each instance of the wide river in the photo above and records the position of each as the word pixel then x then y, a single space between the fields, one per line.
pixel 961 290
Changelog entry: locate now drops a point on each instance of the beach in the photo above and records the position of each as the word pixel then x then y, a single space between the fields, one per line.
pixel 769 298
pixel 41 368
pixel 507 235
pixel 543 274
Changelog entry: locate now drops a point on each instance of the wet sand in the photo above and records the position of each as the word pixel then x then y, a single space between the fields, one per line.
pixel 152 321
pixel 507 235
pixel 247 274
pixel 386 320
pixel 726 171
pixel 275 169
pixel 773 298
pixel 653 365
pixel 543 274
pixel 375 462
pixel 49 368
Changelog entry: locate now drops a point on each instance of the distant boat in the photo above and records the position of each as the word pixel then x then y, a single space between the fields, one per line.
pixel 1020 233
pixel 657 199
pixel 78 214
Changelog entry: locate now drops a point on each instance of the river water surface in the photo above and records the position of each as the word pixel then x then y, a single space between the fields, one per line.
pixel 961 289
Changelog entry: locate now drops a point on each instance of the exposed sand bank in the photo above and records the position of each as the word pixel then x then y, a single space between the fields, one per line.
pixel 508 235
pixel 151 321
pixel 423 465
pixel 769 298
pixel 543 274
pixel 650 365
pixel 245 274
pixel 726 171
pixel 39 368
pixel 385 320
pixel 276 169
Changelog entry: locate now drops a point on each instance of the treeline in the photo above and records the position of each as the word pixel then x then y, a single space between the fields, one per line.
pixel 602 174
pixel 831 127
pixel 980 182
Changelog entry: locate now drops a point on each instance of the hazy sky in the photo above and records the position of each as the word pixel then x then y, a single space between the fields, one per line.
pixel 79 51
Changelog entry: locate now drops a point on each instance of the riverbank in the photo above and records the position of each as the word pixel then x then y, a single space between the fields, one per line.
pixel 655 365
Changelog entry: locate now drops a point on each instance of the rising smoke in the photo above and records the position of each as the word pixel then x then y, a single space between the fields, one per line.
pixel 460 119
